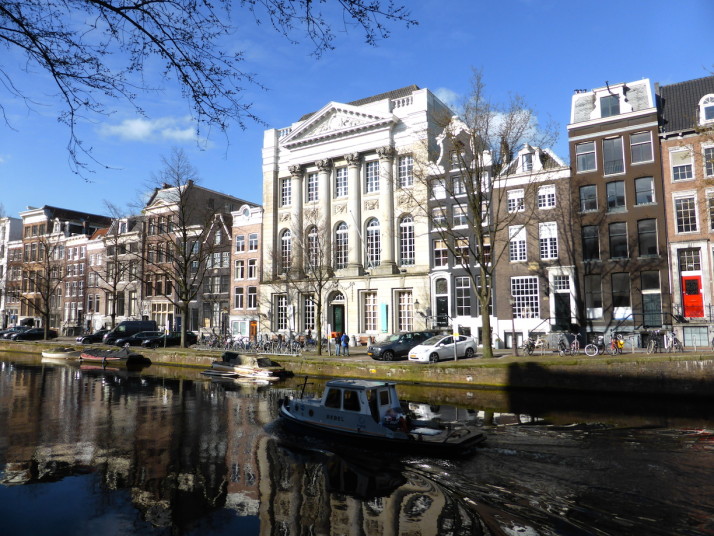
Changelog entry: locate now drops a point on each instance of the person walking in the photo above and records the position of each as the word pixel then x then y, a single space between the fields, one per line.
pixel 338 343
pixel 345 340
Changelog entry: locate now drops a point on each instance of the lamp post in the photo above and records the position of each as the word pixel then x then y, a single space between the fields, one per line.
pixel 512 301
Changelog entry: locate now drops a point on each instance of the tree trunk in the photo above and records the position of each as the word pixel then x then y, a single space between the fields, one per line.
pixel 486 340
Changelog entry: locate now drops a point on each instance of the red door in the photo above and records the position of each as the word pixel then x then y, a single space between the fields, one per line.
pixel 692 299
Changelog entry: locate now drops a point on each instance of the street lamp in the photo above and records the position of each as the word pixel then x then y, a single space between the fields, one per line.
pixel 512 301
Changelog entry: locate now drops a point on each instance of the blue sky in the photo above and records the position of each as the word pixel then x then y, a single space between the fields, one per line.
pixel 541 49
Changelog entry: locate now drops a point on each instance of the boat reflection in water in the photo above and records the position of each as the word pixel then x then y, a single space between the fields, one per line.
pixel 147 454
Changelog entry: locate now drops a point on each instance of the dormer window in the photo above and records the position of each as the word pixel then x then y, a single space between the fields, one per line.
pixel 610 105
pixel 527 162
pixel 706 110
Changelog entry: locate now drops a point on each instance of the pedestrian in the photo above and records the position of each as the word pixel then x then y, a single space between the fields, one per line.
pixel 338 343
pixel 345 344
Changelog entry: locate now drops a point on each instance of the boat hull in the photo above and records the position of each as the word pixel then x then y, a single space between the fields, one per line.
pixel 114 356
pixel 61 354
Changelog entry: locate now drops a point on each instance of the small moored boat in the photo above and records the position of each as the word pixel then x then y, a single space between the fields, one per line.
pixel 370 411
pixel 116 355
pixel 61 353
pixel 247 366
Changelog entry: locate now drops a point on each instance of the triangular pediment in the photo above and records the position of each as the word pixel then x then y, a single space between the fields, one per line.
pixel 336 120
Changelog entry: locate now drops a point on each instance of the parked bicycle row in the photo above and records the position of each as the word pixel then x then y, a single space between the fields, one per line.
pixel 657 342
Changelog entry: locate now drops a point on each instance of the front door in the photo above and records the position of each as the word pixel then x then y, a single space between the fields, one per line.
pixel 338 318
pixel 562 311
pixel 692 299
pixel 253 330
pixel 442 311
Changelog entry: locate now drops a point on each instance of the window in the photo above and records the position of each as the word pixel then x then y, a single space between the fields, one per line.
pixel 546 196
pixel 515 201
pixel 372 176
pixel 647 237
pixel 706 109
pixel 618 240
pixel 341 182
pixel 341 246
pixel 685 211
pixel 593 293
pixel 438 188
pixel 405 311
pixel 406 241
pixel 459 215
pixel 710 201
pixel 285 192
pixel 313 248
pixel 370 311
pixel 525 297
pixel 641 147
pixel 285 250
pixel 461 251
pixel 681 164
pixel 281 312
pixel 527 162
pixel 463 296
pixel 308 307
pixel 441 254
pixel 238 298
pixel 615 195
pixel 406 171
pixel 548 240
pixel 610 105
pixel 709 162
pixel 253 269
pixel 517 244
pixel 240 243
pixel 614 161
pixel 621 290
pixel 218 237
pixel 253 242
pixel 239 270
pixel 588 198
pixel 374 247
pixel 252 297
pixel 311 187
pixel 438 217
pixel 690 260
pixel 644 191
pixel 561 283
pixel 458 185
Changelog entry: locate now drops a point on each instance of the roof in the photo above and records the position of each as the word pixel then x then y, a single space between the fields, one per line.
pixel 394 94
pixel 358 384
pixel 677 104
pixel 68 214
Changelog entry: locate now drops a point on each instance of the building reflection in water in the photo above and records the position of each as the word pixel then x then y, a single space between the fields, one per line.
pixel 185 450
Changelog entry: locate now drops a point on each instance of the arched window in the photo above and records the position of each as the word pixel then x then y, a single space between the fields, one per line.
pixel 341 246
pixel 406 241
pixel 286 250
pixel 706 110
pixel 374 245
pixel 313 248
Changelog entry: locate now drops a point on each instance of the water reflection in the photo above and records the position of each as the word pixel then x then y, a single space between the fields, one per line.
pixel 187 452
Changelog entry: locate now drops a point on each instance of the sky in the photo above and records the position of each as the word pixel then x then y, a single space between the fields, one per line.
pixel 540 49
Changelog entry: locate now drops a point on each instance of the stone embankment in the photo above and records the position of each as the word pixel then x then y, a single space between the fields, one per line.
pixel 690 373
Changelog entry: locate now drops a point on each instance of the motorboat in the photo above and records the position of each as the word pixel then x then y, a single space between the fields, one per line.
pixel 247 366
pixel 370 411
pixel 61 353
pixel 114 355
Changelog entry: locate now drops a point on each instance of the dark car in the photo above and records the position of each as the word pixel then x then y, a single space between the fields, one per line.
pixel 7 333
pixel 397 346
pixel 34 334
pixel 136 339
pixel 92 337
pixel 171 339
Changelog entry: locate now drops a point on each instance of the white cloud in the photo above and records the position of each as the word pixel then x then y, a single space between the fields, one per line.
pixel 164 128
pixel 450 98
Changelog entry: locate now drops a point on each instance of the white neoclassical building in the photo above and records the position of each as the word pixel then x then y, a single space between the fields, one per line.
pixel 342 179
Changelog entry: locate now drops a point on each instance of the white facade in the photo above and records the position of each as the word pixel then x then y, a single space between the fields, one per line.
pixel 347 172
pixel 10 230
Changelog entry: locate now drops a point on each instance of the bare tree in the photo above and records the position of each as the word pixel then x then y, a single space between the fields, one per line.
pixel 96 52
pixel 475 150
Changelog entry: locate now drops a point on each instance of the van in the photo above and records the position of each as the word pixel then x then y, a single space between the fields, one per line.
pixel 128 328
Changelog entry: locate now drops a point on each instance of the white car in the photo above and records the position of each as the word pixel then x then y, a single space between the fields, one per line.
pixel 442 347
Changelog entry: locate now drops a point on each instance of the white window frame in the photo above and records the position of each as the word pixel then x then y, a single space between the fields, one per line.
pixel 405 170
pixel 286 191
pixel 548 240
pixel 640 144
pixel 516 201
pixel 371 177
pixel 341 182
pixel 311 193
pixel 591 148
pixel 369 311
pixel 607 172
pixel 406 241
pixel 341 245
pixel 706 104
pixel 517 248
pixel 546 196
pixel 681 159
pixel 695 210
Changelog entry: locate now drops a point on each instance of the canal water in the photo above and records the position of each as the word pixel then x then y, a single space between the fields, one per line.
pixel 166 451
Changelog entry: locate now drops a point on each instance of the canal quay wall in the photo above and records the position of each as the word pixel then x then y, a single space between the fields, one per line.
pixel 690 373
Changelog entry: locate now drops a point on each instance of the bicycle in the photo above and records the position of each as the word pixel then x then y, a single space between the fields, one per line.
pixel 596 348
pixel 675 344
pixel 653 344
pixel 574 347
pixel 529 345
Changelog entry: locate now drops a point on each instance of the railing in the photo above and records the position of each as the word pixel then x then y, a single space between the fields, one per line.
pixel 678 315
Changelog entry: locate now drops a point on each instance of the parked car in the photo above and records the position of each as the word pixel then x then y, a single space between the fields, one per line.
pixel 442 347
pixel 92 337
pixel 34 334
pixel 127 328
pixel 135 339
pixel 7 333
pixel 171 339
pixel 397 346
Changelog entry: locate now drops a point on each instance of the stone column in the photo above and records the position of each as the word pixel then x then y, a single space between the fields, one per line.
pixel 324 168
pixel 386 209
pixel 354 213
pixel 296 219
